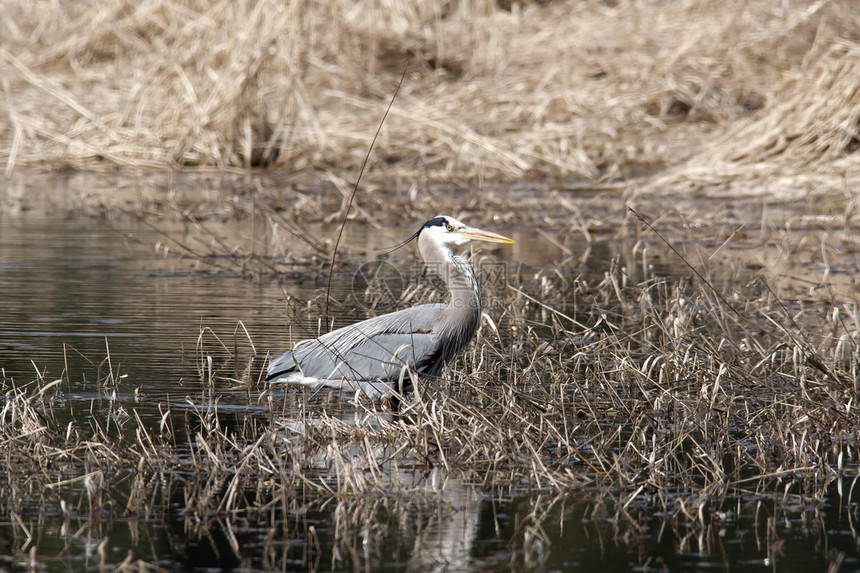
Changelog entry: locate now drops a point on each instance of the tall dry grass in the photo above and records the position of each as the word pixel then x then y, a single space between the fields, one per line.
pixel 494 89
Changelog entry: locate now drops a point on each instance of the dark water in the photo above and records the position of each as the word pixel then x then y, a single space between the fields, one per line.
pixel 82 298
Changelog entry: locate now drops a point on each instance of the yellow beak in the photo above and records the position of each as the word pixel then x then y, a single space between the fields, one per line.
pixel 479 235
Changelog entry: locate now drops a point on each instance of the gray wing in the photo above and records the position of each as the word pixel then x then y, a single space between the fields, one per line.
pixel 373 349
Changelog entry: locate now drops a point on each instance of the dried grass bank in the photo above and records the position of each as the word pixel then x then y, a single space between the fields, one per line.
pixel 756 94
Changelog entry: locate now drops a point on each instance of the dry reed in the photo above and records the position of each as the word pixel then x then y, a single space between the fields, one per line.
pixel 494 90
pixel 646 393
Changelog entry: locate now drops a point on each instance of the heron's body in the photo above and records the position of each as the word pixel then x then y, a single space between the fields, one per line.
pixel 375 355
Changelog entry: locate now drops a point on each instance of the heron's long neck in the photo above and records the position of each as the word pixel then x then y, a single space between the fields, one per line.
pixel 463 313
pixel 461 281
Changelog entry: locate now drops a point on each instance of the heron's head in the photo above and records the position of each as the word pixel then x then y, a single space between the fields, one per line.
pixel 446 231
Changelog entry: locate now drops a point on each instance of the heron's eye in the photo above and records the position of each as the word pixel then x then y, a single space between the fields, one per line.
pixel 449 227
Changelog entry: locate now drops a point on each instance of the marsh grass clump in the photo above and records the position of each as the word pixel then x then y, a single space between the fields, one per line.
pixel 793 140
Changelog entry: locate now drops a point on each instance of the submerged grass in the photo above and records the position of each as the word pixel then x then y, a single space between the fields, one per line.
pixel 647 392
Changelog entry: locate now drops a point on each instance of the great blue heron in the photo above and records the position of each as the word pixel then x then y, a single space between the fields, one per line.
pixel 375 355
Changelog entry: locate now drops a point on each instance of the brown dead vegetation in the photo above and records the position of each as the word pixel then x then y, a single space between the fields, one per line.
pixel 647 394
pixel 756 92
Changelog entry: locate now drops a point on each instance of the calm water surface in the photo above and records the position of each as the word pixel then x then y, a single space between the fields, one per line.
pixel 83 297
